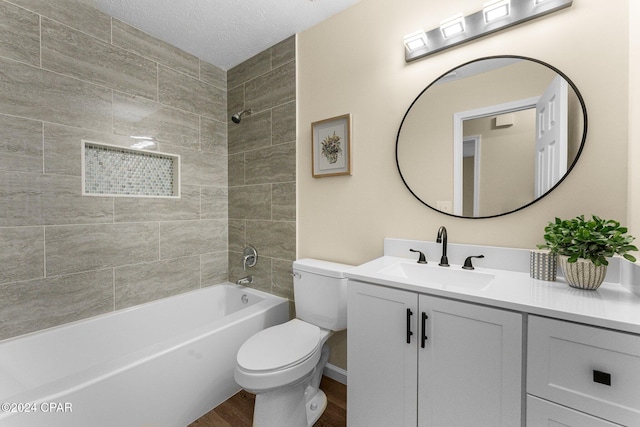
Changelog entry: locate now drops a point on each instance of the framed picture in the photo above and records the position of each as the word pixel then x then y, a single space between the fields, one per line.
pixel 331 147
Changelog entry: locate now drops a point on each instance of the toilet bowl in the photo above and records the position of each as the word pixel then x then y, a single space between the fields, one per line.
pixel 279 355
pixel 283 365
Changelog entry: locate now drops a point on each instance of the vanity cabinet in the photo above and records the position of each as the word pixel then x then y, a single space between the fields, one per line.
pixel 420 360
pixel 580 375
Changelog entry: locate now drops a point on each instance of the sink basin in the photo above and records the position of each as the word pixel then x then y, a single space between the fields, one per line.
pixel 434 275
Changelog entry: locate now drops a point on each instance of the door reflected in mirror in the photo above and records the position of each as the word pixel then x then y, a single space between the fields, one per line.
pixel 491 137
pixel 505 136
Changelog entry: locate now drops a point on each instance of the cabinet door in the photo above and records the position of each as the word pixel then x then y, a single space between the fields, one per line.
pixel 470 369
pixel 382 365
pixel 542 413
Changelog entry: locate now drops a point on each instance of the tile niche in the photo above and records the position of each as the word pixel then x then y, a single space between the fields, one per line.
pixel 109 170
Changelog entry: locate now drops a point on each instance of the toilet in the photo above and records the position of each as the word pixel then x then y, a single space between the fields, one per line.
pixel 282 365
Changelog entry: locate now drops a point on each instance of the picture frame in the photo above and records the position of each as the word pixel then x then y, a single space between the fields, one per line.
pixel 331 147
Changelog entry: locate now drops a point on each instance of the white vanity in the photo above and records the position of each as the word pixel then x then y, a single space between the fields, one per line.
pixel 443 346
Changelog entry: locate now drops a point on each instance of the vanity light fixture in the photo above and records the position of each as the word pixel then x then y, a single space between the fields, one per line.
pixel 415 41
pixel 495 10
pixel 495 16
pixel 453 26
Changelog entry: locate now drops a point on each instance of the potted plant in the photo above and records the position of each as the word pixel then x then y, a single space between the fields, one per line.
pixel 583 247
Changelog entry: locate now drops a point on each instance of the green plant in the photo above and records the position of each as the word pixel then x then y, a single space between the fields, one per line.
pixel 595 239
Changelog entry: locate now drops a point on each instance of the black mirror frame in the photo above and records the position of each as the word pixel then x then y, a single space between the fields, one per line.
pixel 569 169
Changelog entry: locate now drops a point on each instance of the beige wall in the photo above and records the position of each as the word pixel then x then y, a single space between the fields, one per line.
pixel 354 63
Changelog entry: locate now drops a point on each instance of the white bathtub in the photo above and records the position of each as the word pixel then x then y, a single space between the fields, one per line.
pixel 165 363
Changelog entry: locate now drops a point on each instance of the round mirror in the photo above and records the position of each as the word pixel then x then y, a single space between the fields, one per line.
pixel 491 136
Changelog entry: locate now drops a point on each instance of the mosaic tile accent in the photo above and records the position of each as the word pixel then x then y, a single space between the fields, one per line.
pixel 110 170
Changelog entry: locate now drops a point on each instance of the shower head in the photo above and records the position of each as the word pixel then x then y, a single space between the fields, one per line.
pixel 238 116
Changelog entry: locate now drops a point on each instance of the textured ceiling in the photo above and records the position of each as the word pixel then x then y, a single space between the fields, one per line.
pixel 222 32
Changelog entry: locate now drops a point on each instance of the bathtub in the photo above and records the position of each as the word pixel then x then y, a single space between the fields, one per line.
pixel 164 363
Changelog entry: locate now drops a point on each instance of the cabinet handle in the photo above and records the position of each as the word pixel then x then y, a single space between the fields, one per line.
pixel 409 333
pixel 601 377
pixel 424 338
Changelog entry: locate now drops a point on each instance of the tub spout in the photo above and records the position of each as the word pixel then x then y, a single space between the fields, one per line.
pixel 245 280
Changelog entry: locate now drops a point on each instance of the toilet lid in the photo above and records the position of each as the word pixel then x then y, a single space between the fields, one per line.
pixel 279 346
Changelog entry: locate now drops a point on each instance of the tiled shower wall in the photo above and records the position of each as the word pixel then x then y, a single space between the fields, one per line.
pixel 262 167
pixel 67 73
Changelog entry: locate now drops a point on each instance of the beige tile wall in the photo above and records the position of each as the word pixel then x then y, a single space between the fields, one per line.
pixel 262 167
pixel 70 72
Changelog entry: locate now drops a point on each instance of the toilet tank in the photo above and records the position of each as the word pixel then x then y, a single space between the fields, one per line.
pixel 320 293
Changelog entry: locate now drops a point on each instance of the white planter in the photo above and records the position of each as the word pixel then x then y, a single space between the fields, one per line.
pixel 582 274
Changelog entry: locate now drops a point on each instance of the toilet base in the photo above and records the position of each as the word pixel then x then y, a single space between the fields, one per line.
pixel 289 407
pixel 297 405
pixel 315 407
pixel 281 408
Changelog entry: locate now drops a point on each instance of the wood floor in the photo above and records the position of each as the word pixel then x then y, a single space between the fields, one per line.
pixel 238 411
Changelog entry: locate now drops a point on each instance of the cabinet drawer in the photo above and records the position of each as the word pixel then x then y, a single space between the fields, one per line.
pixel 593 370
pixel 541 413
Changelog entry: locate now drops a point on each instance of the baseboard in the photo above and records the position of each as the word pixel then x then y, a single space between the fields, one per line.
pixel 335 373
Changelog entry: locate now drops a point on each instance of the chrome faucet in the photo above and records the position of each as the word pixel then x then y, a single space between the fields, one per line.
pixel 249 257
pixel 442 238
pixel 245 280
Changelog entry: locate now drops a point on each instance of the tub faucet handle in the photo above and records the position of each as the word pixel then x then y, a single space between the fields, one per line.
pixel 249 257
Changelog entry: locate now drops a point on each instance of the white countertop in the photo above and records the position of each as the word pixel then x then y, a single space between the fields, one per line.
pixel 610 306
